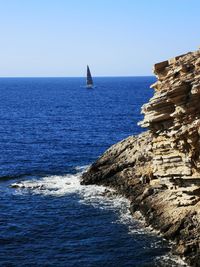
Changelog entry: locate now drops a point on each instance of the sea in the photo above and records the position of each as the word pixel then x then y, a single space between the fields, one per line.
pixel 51 131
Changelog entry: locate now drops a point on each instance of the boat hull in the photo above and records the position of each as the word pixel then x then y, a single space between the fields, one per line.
pixel 89 86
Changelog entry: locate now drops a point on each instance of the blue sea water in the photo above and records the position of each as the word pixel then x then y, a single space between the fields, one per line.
pixel 51 129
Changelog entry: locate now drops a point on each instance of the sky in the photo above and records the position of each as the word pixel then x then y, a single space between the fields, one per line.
pixel 58 38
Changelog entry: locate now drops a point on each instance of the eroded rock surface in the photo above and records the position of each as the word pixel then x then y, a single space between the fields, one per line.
pixel 173 116
pixel 159 170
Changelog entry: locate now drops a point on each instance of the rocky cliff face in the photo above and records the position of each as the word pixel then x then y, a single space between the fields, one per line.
pixel 173 117
pixel 159 170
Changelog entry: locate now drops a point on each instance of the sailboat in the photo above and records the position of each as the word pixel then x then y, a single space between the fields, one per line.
pixel 89 81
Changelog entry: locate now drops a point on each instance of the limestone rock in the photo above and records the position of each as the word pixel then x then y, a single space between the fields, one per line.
pixel 173 117
pixel 159 170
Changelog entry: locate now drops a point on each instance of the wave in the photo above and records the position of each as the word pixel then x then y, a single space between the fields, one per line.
pixel 14 176
pixel 22 175
pixel 99 197
pixel 170 260
pixel 38 173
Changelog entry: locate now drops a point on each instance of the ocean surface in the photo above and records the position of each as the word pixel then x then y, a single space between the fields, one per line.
pixel 51 130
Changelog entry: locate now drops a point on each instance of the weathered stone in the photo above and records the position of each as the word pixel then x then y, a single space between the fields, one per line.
pixel 174 59
pixel 159 170
pixel 160 66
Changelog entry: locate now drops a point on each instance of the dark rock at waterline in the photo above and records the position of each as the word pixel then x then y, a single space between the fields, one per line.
pixel 22 186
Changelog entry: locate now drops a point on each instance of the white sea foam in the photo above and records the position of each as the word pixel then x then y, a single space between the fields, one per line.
pixel 170 260
pixel 58 186
pixel 82 168
pixel 98 196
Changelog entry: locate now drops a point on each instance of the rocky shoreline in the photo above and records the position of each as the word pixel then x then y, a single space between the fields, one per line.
pixel 159 170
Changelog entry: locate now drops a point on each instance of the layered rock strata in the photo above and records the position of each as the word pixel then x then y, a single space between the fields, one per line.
pixel 159 170
pixel 173 117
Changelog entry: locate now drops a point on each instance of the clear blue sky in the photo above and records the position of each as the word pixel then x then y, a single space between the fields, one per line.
pixel 115 37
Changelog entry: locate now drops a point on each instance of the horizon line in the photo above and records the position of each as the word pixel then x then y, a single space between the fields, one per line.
pixel 112 76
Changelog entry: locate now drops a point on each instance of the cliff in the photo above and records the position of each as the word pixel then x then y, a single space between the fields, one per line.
pixel 159 170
